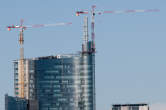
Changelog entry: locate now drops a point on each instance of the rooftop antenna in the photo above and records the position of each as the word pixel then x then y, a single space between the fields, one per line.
pixel 93 28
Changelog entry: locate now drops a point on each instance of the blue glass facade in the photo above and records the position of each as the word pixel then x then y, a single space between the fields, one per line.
pixel 65 83
pixel 62 82
pixel 15 103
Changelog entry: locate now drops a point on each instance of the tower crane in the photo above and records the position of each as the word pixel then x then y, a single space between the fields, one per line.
pixel 92 12
pixel 21 73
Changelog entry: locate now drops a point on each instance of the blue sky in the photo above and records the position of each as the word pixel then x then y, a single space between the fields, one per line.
pixel 130 58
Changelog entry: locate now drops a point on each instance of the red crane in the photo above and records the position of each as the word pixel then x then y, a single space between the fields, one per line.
pixel 93 13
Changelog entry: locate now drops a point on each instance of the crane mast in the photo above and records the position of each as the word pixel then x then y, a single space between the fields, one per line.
pixel 22 88
pixel 21 64
pixel 93 13
pixel 93 28
pixel 85 48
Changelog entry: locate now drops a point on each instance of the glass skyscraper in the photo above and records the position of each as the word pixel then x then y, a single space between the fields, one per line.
pixel 61 82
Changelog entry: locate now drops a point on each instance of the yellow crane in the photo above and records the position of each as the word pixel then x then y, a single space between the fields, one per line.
pixel 21 72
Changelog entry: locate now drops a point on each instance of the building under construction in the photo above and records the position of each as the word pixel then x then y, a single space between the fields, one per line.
pixel 60 82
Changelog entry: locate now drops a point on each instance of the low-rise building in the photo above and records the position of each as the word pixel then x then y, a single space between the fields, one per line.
pixel 15 103
pixel 142 106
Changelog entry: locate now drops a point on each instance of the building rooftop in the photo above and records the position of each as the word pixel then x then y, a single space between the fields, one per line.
pixel 53 57
pixel 141 104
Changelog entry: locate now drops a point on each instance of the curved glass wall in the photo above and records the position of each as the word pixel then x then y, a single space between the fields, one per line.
pixel 65 83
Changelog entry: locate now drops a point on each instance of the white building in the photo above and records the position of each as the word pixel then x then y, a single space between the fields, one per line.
pixel 130 107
